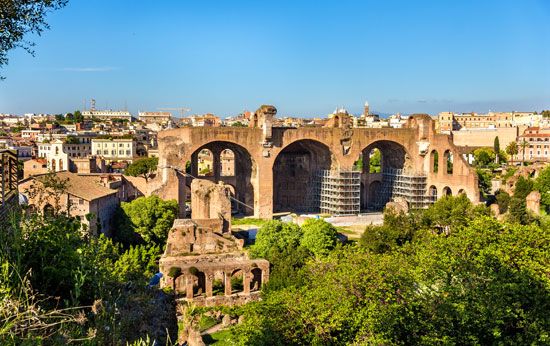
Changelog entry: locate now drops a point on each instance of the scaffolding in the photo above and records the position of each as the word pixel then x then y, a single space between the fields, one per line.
pixel 338 192
pixel 409 186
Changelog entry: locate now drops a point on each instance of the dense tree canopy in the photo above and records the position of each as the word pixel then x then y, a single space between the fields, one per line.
pixel 143 167
pixel 485 283
pixel 319 236
pixel 149 217
pixel 275 237
pixel 542 184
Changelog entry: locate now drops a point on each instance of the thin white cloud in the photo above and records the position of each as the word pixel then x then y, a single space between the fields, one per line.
pixel 89 69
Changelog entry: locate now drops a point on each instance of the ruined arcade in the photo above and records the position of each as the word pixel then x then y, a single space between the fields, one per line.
pixel 306 169
pixel 203 262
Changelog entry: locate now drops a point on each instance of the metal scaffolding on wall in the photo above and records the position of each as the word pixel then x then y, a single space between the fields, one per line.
pixel 338 192
pixel 409 186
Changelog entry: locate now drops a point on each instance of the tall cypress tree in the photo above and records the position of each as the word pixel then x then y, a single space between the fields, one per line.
pixel 496 147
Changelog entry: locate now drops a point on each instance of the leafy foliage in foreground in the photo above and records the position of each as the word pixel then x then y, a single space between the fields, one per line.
pixel 451 275
pixel 59 286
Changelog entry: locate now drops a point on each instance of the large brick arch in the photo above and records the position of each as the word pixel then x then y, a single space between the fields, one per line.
pixel 418 138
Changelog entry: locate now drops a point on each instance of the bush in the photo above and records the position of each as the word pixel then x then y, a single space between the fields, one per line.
pixel 503 200
pixel 319 236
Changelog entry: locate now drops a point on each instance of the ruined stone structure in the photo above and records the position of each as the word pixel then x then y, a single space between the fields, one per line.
pixel 203 262
pixel 274 167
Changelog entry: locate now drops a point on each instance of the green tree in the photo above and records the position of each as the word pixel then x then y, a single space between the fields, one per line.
pixel 78 117
pixel 149 217
pixel 517 206
pixel 496 148
pixel 274 237
pixel 512 150
pixel 484 181
pixel 484 156
pixel 145 167
pixel 503 201
pixel 451 212
pixel 375 161
pixel 398 229
pixel 486 284
pixel 542 184
pixel 319 236
pixel 138 263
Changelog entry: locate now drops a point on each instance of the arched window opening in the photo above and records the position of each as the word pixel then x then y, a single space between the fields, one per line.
pixel 48 210
pixel 434 161
pixel 256 280
pixel 237 281
pixel 447 191
pixel 205 163
pixel 449 161
pixel 227 160
pixel 433 193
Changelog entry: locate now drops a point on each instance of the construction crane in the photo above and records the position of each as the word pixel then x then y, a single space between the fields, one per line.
pixel 182 110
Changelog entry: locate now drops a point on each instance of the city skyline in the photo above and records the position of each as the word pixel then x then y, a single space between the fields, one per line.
pixel 224 58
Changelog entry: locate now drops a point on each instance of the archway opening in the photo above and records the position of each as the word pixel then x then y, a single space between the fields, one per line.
pixel 432 192
pixel 449 161
pixel 295 176
pixel 199 284
pixel 49 210
pixel 434 161
pixel 227 160
pixel 447 191
pixel 380 163
pixel 205 163
pixel 256 280
pixel 230 163
pixel 237 281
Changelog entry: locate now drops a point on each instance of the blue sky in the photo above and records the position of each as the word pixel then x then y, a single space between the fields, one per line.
pixel 304 57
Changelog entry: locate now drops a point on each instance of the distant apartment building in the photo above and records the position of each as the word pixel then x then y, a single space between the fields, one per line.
pixel 107 115
pixel 535 144
pixel 155 117
pixel 449 121
pixel 115 149
pixel 206 120
pixel 31 135
pixel 485 137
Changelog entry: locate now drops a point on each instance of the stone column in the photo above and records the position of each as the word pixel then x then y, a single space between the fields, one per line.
pixel 195 164
pixel 209 277
pixel 189 287
pixel 182 189
pixel 263 185
pixel 216 164
pixel 246 282
pixel 227 284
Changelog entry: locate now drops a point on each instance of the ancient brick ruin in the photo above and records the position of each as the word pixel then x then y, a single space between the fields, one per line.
pixel 282 169
pixel 203 262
